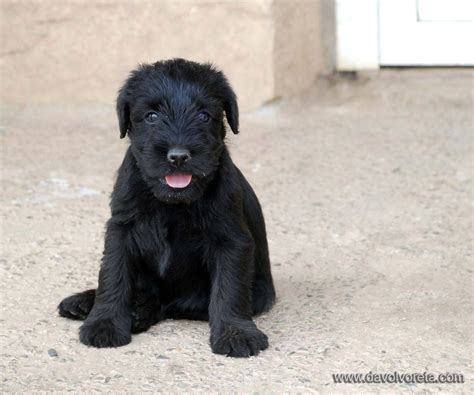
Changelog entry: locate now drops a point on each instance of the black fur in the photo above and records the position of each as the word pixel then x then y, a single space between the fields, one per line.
pixel 198 252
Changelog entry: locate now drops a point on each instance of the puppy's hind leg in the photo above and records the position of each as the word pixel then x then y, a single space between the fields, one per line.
pixel 263 296
pixel 145 312
pixel 146 309
pixel 191 307
pixel 263 290
pixel 77 306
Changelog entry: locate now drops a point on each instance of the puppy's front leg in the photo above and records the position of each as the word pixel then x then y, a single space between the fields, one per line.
pixel 233 332
pixel 109 322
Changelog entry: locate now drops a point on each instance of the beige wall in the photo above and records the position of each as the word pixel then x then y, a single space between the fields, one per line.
pixel 298 54
pixel 55 50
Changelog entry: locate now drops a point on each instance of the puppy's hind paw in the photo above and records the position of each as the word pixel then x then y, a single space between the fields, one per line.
pixel 78 306
pixel 143 319
pixel 239 342
pixel 103 333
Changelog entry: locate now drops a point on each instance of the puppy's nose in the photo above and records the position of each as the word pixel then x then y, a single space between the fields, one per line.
pixel 178 155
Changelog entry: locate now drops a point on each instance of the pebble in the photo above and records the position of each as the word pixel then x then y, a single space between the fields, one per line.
pixel 321 350
pixel 52 352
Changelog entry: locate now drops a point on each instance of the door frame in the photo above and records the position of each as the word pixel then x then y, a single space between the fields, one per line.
pixel 357 34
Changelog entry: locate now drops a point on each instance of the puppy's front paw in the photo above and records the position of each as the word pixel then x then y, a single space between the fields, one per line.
pixel 103 333
pixel 238 341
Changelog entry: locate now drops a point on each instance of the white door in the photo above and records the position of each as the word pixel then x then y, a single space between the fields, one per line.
pixel 426 32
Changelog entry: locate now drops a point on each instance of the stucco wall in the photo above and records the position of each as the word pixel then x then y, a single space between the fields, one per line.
pixel 82 50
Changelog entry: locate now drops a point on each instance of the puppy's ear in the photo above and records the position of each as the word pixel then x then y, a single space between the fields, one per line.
pixel 229 100
pixel 123 111
pixel 231 109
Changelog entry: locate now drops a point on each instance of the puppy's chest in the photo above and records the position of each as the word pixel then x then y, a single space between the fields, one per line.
pixel 175 248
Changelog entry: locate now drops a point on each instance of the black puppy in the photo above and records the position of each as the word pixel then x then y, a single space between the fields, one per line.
pixel 186 238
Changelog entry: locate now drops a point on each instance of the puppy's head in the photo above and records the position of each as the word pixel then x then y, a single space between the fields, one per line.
pixel 173 113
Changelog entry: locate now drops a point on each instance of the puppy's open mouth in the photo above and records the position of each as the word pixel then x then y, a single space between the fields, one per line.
pixel 178 180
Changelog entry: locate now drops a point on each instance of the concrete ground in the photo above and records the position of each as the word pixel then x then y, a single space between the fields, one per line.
pixel 366 185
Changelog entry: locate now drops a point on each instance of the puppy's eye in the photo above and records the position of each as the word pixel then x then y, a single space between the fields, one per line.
pixel 203 116
pixel 151 117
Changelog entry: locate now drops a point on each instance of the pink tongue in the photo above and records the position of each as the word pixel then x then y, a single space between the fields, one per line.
pixel 178 180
